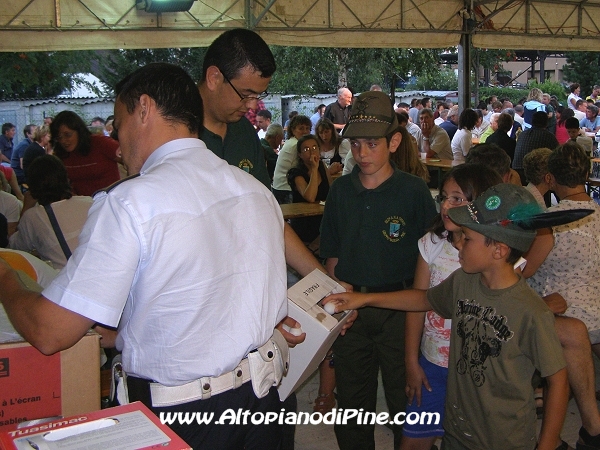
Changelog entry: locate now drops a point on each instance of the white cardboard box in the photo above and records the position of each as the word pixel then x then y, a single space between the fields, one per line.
pixel 321 328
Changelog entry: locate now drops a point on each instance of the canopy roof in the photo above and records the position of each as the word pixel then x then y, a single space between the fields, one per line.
pixel 47 25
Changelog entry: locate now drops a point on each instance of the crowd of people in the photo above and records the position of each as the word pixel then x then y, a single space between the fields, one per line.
pixel 183 264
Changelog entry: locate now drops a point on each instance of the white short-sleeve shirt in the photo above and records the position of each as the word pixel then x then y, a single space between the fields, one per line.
pixel 187 259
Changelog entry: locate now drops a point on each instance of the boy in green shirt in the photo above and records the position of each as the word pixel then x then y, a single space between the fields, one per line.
pixel 372 222
pixel 501 330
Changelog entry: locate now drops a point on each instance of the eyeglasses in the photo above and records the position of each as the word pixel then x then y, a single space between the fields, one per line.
pixel 246 98
pixel 453 200
pixel 314 148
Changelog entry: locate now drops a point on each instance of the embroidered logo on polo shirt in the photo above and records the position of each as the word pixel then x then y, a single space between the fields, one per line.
pixel 394 230
pixel 246 165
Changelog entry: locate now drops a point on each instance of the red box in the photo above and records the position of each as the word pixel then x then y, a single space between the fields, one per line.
pixel 35 386
pixel 128 427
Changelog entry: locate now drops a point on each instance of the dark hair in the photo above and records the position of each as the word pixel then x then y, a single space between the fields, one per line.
pixel 175 93
pixel 468 118
pixel 504 122
pixel 322 105
pixel 593 109
pixel 571 122
pixel 296 121
pixel 236 49
pixel 406 156
pixel 513 255
pixel 7 127
pixel 303 139
pixel 325 124
pixel 27 129
pixel 539 119
pixel 573 87
pixel 490 155
pixel 265 113
pixel 402 118
pixel 73 122
pixel 473 179
pixel 565 114
pixel 98 119
pixel 569 164
pixel 424 101
pixel 48 180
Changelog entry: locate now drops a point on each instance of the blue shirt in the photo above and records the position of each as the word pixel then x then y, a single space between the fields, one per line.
pixel 590 124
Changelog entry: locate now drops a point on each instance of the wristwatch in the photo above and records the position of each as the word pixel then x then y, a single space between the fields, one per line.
pixel 425 138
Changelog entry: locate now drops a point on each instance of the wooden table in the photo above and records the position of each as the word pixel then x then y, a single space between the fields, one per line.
pixel 441 165
pixel 296 210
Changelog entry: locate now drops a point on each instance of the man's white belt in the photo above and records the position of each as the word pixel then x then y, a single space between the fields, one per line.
pixel 200 389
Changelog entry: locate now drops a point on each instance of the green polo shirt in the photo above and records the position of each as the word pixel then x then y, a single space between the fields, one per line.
pixel 374 232
pixel 240 148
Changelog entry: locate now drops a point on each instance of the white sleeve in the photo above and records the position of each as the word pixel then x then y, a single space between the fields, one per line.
pixel 98 278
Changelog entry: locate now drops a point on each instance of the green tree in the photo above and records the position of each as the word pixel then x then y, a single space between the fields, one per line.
pixel 111 66
pixel 444 80
pixel 307 71
pixel 39 74
pixel 583 68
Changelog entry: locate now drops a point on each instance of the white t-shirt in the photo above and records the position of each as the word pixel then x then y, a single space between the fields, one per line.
pixel 442 259
pixel 461 144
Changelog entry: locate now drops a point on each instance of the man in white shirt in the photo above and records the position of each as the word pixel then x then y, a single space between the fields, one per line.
pixel 434 141
pixel 263 120
pixel 190 303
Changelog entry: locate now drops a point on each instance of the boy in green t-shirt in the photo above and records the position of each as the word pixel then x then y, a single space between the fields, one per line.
pixel 372 222
pixel 501 329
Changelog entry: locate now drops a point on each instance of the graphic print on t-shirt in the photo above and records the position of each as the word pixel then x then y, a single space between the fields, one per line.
pixel 482 333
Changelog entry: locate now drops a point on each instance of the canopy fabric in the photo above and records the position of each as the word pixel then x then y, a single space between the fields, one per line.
pixel 49 25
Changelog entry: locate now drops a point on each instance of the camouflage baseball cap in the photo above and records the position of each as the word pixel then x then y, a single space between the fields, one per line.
pixel 498 213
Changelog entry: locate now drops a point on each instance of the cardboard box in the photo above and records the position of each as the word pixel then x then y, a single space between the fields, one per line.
pixel 128 427
pixel 321 328
pixel 34 386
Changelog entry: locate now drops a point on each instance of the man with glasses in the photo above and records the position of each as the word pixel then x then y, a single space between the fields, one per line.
pixel 236 72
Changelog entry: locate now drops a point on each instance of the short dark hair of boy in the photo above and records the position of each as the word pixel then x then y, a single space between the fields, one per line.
pixel 572 123
pixel 48 180
pixel 265 113
pixel 490 155
pixel 569 164
pixel 539 119
pixel 504 122
pixel 535 165
pixel 424 101
pixel 514 254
